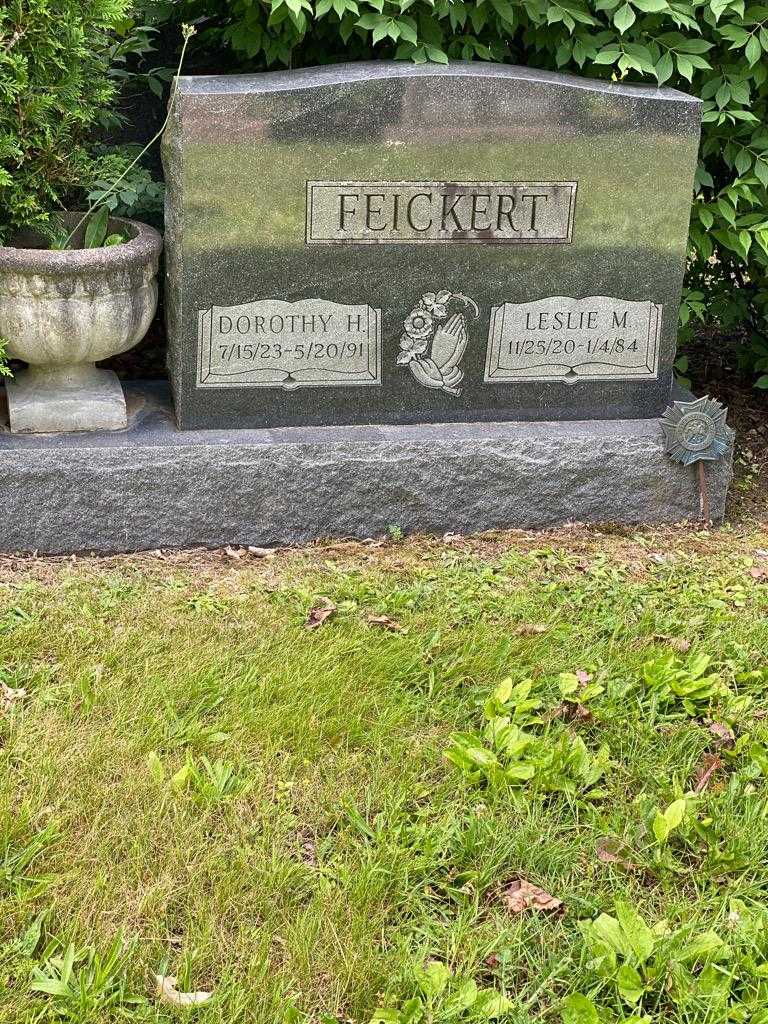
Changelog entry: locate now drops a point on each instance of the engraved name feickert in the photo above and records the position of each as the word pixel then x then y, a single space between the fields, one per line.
pixel 395 212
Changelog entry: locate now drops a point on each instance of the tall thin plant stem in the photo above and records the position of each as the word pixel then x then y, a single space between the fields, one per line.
pixel 187 32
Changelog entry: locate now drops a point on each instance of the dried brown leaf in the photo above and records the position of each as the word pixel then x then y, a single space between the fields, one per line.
pixel 677 643
pixel 723 735
pixel 234 552
pixel 520 896
pixel 680 644
pixel 168 993
pixel 385 622
pixel 531 629
pixel 570 711
pixel 9 695
pixel 261 552
pixel 609 851
pixel 321 611
pixel 705 769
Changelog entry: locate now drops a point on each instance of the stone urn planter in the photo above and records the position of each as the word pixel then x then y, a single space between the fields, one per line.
pixel 61 311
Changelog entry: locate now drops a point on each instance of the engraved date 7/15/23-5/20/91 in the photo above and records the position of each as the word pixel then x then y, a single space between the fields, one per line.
pixel 298 350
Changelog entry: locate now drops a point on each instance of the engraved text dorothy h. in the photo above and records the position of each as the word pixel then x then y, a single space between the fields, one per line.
pixel 295 323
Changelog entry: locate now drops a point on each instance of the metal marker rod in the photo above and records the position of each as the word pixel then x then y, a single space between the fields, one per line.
pixel 703 491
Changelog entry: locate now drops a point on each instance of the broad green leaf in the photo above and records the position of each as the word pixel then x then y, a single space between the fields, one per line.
pixel 660 827
pixel 753 50
pixel 432 978
pixel 624 18
pixel 577 1009
pixel 96 228
pixel 610 931
pixel 436 55
pixel 684 66
pixel 743 161
pixel 608 56
pixel 568 683
pixel 630 984
pixel 407 28
pixel 664 67
pixel 155 766
pixel 490 1004
pixel 674 814
pixel 464 997
pixel 706 217
pixel 703 947
pixel 51 986
pixel 638 934
pixel 651 6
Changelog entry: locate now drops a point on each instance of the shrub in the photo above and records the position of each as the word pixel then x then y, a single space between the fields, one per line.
pixel 55 87
pixel 716 49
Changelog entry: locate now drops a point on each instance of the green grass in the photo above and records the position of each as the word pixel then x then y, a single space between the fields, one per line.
pixel 195 784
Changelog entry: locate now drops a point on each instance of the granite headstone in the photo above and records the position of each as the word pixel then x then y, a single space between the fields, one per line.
pixel 391 243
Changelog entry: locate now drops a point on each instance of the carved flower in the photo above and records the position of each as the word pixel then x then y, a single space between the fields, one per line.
pixel 436 303
pixel 411 348
pixel 419 324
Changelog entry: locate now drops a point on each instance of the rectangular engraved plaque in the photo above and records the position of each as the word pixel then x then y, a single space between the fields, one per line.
pixel 412 212
pixel 270 343
pixel 565 339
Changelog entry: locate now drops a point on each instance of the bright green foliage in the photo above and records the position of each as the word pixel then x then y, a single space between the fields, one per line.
pixel 545 759
pixel 715 49
pixel 54 89
pixel 81 980
pixel 711 974
pixel 442 998
pixel 687 684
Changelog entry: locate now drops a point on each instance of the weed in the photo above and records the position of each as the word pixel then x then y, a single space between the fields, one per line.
pixel 80 980
pixel 441 997
pixel 506 752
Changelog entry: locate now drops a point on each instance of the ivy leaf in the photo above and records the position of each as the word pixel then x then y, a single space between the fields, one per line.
pixel 408 30
pixel 743 161
pixel 664 67
pixel 435 54
pixel 684 66
pixel 624 18
pixel 753 50
pixel 608 56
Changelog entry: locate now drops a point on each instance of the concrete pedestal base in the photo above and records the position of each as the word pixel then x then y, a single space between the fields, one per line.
pixel 65 398
pixel 153 486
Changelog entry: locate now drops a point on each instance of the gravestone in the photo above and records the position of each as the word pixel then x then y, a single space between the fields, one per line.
pixel 442 299
pixel 386 243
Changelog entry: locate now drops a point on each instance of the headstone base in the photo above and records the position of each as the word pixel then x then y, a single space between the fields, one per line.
pixel 153 486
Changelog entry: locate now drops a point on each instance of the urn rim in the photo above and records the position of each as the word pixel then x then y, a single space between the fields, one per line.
pixel 142 248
